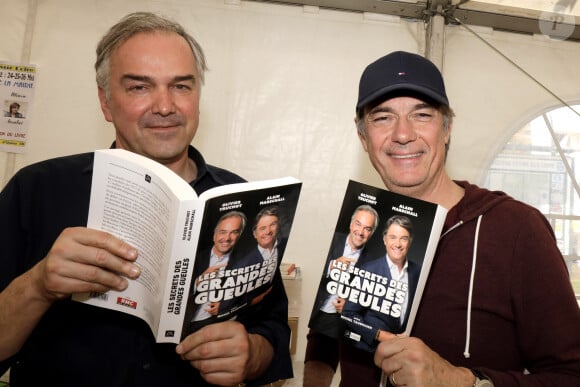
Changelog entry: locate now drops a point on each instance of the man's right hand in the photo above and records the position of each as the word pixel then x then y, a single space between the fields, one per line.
pixel 342 262
pixel 206 273
pixel 339 304
pixel 85 260
pixel 80 260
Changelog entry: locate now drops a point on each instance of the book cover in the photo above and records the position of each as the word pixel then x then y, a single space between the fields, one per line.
pixel 377 265
pixel 224 286
pixel 152 208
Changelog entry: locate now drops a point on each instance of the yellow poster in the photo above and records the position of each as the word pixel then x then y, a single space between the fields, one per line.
pixel 16 96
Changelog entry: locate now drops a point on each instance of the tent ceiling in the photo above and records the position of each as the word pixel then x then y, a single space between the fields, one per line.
pixel 559 19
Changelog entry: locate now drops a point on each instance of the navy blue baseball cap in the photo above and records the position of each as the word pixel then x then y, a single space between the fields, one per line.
pixel 401 73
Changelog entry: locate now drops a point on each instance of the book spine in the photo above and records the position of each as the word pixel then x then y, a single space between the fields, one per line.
pixel 433 241
pixel 179 272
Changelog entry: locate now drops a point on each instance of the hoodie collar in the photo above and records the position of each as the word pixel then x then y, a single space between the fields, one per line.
pixel 476 201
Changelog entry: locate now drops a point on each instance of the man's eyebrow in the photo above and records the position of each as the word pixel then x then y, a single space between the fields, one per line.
pixel 423 105
pixel 134 77
pixel 381 109
pixel 387 109
pixel 148 79
pixel 181 78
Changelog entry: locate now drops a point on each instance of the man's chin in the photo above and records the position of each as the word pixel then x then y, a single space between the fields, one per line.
pixel 165 156
pixel 403 182
pixel 358 243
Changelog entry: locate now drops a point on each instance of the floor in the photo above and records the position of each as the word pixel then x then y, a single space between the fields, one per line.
pixel 295 382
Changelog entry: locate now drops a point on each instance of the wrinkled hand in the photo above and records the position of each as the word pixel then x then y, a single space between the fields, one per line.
pixel 85 260
pixel 339 304
pixel 211 269
pixel 259 298
pixel 213 308
pixel 220 351
pixel 342 262
pixel 416 365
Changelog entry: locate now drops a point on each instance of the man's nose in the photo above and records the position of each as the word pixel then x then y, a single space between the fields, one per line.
pixel 163 103
pixel 403 131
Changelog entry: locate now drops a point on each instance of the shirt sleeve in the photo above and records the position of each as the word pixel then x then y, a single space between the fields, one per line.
pixel 545 308
pixel 269 319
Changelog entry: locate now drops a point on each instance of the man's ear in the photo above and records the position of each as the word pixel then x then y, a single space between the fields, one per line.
pixel 105 105
pixel 361 136
pixel 448 134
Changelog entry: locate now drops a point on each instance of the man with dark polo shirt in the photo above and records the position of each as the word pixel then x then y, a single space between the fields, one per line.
pixel 149 76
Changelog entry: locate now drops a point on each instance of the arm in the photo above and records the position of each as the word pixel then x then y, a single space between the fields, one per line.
pixel 541 288
pixel 317 374
pixel 80 260
pixel 537 286
pixel 341 262
pixel 269 319
pixel 339 304
pixel 320 359
pixel 210 269
pixel 40 263
pixel 21 307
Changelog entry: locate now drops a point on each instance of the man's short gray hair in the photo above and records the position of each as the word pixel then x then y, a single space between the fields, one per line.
pixel 369 209
pixel 135 23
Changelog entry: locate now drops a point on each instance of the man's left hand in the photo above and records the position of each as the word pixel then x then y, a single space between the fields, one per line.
pixel 225 354
pixel 414 364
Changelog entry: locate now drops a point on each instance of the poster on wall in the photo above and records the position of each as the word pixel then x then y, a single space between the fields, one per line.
pixel 16 96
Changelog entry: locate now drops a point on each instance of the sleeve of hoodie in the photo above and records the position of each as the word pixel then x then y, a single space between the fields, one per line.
pixel 546 310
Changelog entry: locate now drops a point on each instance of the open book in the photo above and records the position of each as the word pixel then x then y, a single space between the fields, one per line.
pixel 187 280
pixel 377 265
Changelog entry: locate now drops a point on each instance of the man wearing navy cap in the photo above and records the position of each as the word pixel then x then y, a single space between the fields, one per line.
pixel 498 308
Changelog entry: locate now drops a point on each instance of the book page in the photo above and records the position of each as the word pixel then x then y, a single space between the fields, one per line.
pixel 136 214
pixel 130 200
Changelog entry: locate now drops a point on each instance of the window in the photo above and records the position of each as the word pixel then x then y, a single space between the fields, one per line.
pixel 536 169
